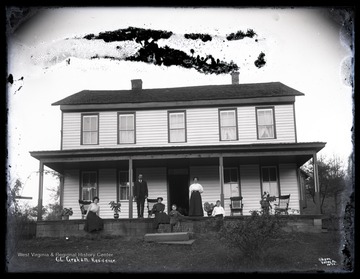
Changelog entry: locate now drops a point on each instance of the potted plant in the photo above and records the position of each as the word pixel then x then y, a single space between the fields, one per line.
pixel 66 212
pixel 265 201
pixel 208 207
pixel 115 206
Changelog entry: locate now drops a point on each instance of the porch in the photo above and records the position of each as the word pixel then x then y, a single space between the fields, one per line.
pixel 137 228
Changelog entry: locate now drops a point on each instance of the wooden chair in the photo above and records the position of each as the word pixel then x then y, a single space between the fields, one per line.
pixel 283 205
pixel 236 205
pixel 150 205
pixel 84 205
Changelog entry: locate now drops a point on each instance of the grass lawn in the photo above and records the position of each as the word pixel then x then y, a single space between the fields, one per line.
pixel 301 254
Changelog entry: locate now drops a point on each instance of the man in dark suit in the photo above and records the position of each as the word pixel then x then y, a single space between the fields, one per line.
pixel 140 194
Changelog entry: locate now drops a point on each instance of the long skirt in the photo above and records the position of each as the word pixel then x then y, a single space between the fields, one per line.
pixel 161 218
pixel 195 206
pixel 93 222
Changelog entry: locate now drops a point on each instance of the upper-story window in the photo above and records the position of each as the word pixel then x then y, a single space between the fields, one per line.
pixel 126 128
pixel 89 184
pixel 265 123
pixel 177 126
pixel 90 129
pixel 228 124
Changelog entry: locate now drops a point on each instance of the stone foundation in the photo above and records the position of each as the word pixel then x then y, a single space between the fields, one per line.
pixel 140 227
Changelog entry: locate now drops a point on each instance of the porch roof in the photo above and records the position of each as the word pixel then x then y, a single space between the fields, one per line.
pixel 298 153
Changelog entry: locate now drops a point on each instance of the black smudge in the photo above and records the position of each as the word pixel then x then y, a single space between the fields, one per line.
pixel 260 61
pixel 195 36
pixel 150 52
pixel 239 35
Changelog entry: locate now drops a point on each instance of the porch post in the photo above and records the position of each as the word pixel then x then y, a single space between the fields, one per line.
pixel 41 184
pixel 61 177
pixel 130 189
pixel 316 184
pixel 221 178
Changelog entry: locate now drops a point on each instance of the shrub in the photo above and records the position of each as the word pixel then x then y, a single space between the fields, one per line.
pixel 253 236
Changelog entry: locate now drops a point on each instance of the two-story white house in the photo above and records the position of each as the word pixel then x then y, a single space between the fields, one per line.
pixel 239 139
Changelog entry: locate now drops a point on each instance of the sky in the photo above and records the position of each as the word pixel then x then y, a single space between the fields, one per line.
pixel 308 49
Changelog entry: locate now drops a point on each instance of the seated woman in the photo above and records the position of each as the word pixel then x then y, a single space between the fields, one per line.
pixel 160 216
pixel 93 221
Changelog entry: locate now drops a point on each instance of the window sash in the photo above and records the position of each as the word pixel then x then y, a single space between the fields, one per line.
pixel 124 186
pixel 270 181
pixel 126 128
pixel 89 186
pixel 177 127
pixel 90 129
pixel 265 119
pixel 228 129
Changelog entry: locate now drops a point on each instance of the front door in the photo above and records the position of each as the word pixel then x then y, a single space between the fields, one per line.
pixel 178 181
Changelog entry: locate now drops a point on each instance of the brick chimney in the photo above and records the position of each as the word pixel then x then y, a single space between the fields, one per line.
pixel 235 78
pixel 136 84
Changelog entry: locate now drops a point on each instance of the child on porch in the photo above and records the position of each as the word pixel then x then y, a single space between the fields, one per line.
pixel 175 217
pixel 218 210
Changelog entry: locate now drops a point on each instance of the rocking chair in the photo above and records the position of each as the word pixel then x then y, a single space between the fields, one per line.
pixel 150 205
pixel 84 206
pixel 236 205
pixel 283 205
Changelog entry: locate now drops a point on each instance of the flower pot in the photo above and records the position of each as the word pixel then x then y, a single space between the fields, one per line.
pixel 209 213
pixel 65 217
pixel 116 215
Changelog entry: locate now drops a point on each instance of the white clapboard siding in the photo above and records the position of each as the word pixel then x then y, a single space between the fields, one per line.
pixel 285 126
pixel 71 130
pixel 151 128
pixel 108 129
pixel 289 185
pixel 209 179
pixel 250 187
pixel 247 125
pixel 107 191
pixel 71 192
pixel 202 126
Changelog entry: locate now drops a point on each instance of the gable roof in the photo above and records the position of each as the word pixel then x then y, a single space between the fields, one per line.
pixel 193 93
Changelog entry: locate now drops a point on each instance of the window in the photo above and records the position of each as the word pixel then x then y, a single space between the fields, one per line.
pixel 90 130
pixel 231 183
pixel 126 128
pixel 269 181
pixel 88 185
pixel 177 130
pixel 265 123
pixel 228 124
pixel 124 188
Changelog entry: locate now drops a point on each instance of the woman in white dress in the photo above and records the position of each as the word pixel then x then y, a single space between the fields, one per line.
pixel 195 205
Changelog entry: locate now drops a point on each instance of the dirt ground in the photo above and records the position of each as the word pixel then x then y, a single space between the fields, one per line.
pixel 310 253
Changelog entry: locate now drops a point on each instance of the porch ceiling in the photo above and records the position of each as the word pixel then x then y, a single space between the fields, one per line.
pixel 298 153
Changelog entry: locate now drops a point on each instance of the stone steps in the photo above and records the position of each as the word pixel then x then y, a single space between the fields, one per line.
pixel 166 237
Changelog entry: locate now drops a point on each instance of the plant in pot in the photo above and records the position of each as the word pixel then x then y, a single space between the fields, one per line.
pixel 66 212
pixel 115 206
pixel 208 207
pixel 265 202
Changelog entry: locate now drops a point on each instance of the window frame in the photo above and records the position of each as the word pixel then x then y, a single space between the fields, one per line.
pixel 82 172
pixel 272 108
pixel 119 185
pixel 236 124
pixel 277 178
pixel 232 182
pixel 185 126
pixel 83 115
pixel 118 127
